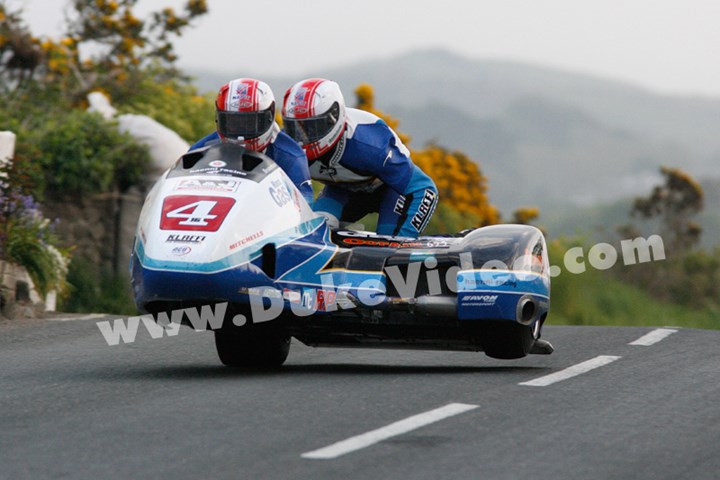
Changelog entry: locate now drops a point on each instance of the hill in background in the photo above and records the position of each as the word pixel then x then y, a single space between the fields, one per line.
pixel 574 145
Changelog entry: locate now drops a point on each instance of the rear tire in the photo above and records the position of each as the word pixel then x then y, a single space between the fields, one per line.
pixel 251 349
pixel 508 342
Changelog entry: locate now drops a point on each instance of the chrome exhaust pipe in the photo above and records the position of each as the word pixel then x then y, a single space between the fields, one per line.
pixel 526 310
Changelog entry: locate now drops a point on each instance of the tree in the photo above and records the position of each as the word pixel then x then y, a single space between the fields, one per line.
pixel 674 203
pixel 525 215
pixel 131 60
pixel 20 52
pixel 461 186
pixel 124 50
pixel 687 275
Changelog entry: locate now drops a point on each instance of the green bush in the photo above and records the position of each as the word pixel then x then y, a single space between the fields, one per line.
pixel 81 153
pixel 601 298
pixel 94 289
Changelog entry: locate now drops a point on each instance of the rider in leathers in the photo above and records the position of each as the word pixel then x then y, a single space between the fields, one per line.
pixel 245 113
pixel 361 161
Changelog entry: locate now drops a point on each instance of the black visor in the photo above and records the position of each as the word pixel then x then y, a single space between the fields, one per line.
pixel 309 130
pixel 247 125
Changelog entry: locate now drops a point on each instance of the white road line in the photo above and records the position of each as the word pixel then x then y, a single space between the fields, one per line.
pixel 398 428
pixel 653 337
pixel 570 372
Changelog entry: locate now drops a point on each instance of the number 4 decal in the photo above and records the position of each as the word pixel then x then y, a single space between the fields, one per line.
pixel 197 213
pixel 192 212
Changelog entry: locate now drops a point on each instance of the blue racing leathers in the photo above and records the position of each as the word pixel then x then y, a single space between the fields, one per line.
pixel 285 152
pixel 370 170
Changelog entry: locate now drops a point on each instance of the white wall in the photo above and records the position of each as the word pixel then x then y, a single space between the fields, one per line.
pixel 7 147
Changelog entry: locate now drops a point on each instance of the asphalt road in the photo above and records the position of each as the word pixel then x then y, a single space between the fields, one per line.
pixel 73 407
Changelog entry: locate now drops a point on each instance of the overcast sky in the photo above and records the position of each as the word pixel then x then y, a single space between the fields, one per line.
pixel 670 46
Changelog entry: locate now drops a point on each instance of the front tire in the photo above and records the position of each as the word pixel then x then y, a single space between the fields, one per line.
pixel 251 349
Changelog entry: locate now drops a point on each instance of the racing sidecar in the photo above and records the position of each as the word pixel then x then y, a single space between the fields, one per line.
pixel 225 229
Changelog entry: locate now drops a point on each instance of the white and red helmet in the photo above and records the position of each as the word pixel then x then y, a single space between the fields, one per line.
pixel 314 115
pixel 245 112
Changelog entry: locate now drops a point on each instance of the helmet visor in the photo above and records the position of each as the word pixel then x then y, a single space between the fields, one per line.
pixel 309 130
pixel 247 125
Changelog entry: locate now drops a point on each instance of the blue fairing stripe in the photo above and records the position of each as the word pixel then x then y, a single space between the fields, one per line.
pixel 308 270
pixel 240 257
pixel 311 272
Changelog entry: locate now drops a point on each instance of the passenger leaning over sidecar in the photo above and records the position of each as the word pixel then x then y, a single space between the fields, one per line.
pixel 360 159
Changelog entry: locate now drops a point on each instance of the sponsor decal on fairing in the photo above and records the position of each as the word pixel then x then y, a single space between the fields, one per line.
pixel 177 238
pixel 479 300
pixel 180 251
pixel 279 193
pixel 246 240
pixel 195 212
pixel 225 186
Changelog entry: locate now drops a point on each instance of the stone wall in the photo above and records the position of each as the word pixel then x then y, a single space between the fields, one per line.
pixel 101 228
pixel 19 297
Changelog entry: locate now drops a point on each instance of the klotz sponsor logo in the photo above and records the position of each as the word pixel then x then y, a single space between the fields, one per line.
pixel 425 210
pixel 185 239
pixel 180 251
pixel 480 300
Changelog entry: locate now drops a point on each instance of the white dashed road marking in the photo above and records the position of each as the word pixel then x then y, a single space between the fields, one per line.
pixel 653 337
pixel 570 372
pixel 398 428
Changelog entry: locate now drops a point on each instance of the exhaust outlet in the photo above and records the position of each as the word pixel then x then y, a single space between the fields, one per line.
pixel 526 310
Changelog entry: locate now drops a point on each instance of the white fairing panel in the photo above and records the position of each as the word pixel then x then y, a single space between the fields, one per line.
pixel 206 218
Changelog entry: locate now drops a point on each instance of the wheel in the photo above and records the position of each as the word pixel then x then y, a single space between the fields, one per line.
pixel 254 349
pixel 507 342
